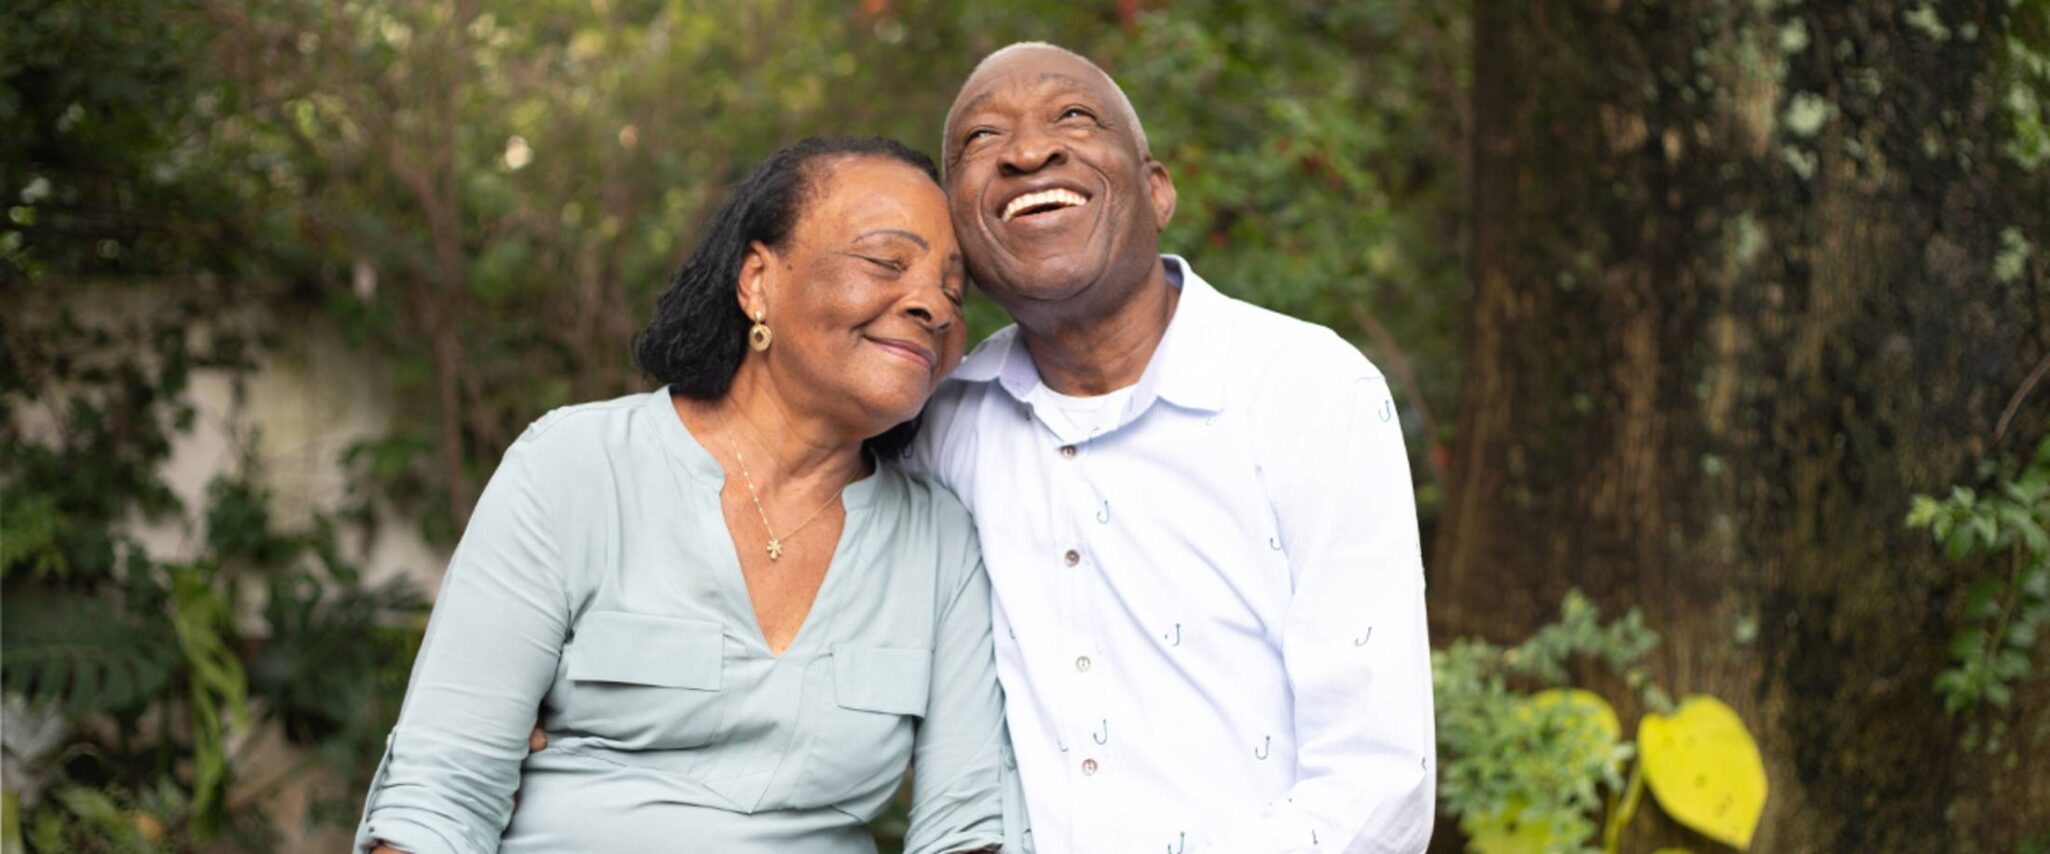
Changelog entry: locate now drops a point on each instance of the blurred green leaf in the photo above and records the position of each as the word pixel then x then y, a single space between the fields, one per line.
pixel 81 651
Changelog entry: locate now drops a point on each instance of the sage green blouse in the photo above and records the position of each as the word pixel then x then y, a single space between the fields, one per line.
pixel 597 584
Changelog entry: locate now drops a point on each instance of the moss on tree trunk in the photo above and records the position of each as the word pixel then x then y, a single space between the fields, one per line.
pixel 1734 302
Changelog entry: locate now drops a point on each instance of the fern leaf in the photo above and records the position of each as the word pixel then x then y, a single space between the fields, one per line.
pixel 82 652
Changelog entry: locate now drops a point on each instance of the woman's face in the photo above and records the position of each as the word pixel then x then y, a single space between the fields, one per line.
pixel 865 296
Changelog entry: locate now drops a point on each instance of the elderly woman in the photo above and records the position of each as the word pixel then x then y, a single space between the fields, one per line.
pixel 738 622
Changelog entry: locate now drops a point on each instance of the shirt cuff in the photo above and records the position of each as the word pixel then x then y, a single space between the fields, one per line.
pixel 409 830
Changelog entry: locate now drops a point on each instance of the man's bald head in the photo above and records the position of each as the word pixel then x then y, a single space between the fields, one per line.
pixel 999 57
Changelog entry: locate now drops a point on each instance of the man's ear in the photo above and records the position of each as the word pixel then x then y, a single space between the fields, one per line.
pixel 757 267
pixel 1160 186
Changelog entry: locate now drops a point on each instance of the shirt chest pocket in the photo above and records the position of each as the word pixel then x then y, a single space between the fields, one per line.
pixel 646 682
pixel 863 736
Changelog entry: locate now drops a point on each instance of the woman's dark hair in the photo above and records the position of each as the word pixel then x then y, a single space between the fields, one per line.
pixel 698 337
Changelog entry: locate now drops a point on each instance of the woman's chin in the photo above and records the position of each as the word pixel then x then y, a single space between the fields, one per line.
pixel 882 410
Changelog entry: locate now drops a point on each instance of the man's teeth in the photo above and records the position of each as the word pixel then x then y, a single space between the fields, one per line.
pixel 1064 198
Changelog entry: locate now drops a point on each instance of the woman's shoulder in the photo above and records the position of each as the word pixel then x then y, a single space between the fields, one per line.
pixel 579 423
pixel 932 535
pixel 576 443
pixel 929 514
pixel 920 495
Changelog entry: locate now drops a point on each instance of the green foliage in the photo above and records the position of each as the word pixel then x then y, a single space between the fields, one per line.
pixel 1513 769
pixel 28 534
pixel 113 164
pixel 1323 185
pixel 201 614
pixel 114 819
pixel 146 657
pixel 84 653
pixel 2006 603
pixel 1530 764
pixel 2026 67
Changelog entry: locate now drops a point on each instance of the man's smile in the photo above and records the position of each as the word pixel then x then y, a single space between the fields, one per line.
pixel 1028 212
pixel 1033 203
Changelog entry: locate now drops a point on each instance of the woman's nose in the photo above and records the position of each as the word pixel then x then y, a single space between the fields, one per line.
pixel 929 305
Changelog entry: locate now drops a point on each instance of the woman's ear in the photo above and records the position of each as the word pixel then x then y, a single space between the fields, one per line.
pixel 757 268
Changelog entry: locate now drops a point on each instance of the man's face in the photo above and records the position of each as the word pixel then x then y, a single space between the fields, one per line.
pixel 1049 192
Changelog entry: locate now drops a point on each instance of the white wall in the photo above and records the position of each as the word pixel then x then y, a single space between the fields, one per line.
pixel 309 401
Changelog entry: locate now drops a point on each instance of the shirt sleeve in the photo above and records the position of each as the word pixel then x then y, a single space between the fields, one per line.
pixel 446 781
pixel 1354 642
pixel 943 450
pixel 962 762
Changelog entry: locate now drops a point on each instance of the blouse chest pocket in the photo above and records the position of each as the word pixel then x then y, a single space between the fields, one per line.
pixel 882 679
pixel 646 682
pixel 863 739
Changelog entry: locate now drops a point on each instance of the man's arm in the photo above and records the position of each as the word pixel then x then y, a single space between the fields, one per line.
pixel 1355 642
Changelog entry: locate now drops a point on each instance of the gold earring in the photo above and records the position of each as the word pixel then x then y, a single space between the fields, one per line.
pixel 759 336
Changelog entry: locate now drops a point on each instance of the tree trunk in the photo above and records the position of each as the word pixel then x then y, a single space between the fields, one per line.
pixel 1734 302
pixel 443 209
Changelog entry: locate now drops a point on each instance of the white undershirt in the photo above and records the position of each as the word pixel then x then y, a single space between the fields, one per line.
pixel 1094 415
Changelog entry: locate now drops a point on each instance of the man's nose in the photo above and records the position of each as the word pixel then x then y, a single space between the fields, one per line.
pixel 1029 152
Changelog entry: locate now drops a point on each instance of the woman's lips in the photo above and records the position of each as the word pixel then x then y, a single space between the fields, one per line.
pixel 907 351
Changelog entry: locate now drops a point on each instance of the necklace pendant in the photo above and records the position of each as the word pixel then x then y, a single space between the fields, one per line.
pixel 775 548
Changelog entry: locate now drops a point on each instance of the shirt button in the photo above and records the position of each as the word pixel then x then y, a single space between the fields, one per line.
pixel 1082 664
pixel 1072 557
pixel 1067 452
pixel 1088 767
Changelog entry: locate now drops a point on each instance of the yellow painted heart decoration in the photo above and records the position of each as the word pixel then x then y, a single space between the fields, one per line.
pixel 1704 768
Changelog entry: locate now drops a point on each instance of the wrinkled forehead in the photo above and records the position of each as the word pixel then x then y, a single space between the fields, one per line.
pixel 1033 67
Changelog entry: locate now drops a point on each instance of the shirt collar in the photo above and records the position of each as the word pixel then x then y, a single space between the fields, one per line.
pixel 1186 369
pixel 705 469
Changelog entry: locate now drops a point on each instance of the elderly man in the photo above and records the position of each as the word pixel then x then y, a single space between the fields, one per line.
pixel 1196 514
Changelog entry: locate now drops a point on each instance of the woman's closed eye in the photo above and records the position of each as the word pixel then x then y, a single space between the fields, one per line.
pixel 892 266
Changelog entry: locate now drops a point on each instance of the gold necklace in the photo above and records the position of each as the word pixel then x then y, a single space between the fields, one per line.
pixel 775 546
